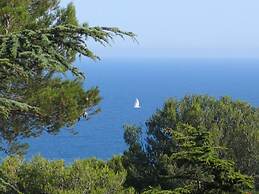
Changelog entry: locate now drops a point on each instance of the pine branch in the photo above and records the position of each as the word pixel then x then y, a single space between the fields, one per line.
pixel 23 54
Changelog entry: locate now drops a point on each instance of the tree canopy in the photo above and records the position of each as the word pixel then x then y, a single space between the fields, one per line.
pixel 39 42
pixel 231 126
pixel 196 167
pixel 17 15
pixel 55 177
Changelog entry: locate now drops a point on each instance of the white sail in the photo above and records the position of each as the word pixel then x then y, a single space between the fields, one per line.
pixel 137 103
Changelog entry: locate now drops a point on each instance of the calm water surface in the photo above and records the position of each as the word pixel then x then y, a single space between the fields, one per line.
pixel 152 81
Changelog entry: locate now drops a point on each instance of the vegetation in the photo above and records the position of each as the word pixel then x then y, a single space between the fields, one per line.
pixel 229 124
pixel 195 145
pixel 196 167
pixel 54 177
pixel 39 42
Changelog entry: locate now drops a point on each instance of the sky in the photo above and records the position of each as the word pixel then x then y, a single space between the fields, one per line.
pixel 176 28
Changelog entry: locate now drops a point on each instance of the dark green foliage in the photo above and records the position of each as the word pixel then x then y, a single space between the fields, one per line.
pixel 116 164
pixel 204 171
pixel 32 53
pixel 232 125
pixel 140 170
pixel 28 51
pixel 60 103
pixel 41 176
pixel 38 44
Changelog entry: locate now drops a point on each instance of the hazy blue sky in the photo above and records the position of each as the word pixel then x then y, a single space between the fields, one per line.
pixel 177 28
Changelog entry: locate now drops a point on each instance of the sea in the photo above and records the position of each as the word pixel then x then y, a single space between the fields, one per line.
pixel 152 81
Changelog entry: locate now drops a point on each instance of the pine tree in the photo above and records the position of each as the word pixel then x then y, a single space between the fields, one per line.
pixel 201 169
pixel 232 125
pixel 39 42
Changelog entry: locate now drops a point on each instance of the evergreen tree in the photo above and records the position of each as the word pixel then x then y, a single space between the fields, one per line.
pixel 39 43
pixel 17 15
pixel 199 167
pixel 232 125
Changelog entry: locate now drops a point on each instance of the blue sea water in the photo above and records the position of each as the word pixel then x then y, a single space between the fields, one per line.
pixel 152 81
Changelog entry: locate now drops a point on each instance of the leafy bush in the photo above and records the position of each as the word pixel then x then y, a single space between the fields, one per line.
pixel 41 176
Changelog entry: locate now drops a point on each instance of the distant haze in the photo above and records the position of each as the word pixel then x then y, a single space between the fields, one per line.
pixel 177 28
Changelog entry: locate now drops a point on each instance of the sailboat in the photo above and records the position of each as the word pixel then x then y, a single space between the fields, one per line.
pixel 137 104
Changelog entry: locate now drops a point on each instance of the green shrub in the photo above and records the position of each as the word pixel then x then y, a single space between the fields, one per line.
pixel 41 176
